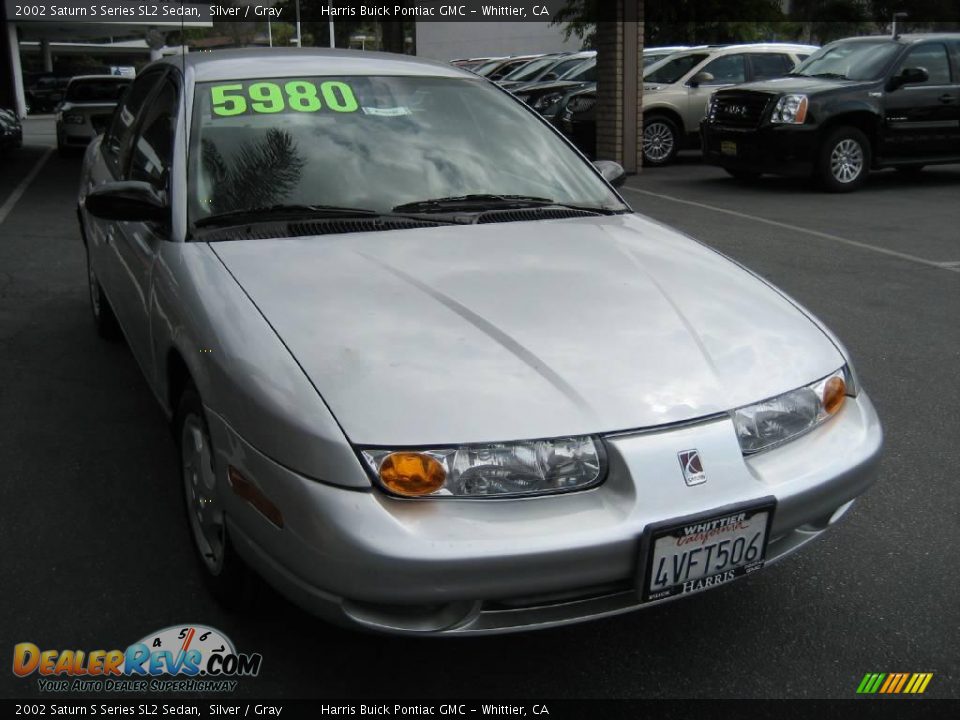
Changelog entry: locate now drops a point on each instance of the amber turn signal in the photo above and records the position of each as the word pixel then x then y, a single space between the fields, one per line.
pixel 412 474
pixel 834 393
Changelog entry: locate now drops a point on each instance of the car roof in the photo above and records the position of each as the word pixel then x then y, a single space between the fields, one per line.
pixel 284 62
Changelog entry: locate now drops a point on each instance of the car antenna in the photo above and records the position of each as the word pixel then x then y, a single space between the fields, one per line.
pixel 898 16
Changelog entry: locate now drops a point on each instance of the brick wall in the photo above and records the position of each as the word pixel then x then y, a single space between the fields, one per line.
pixel 613 110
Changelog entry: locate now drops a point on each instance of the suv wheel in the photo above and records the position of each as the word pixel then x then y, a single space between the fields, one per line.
pixel 661 140
pixel 844 160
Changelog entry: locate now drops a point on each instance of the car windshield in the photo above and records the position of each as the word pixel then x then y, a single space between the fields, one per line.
pixel 850 60
pixel 100 90
pixel 587 70
pixel 531 69
pixel 671 70
pixel 375 143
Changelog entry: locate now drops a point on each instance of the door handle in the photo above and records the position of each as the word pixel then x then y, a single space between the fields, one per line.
pixel 947 98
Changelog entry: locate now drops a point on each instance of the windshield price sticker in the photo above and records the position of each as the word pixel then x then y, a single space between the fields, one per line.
pixel 302 96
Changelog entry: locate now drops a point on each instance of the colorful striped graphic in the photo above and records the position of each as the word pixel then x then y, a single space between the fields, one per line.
pixel 894 683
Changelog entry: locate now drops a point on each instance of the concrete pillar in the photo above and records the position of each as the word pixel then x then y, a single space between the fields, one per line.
pixel 12 93
pixel 620 86
pixel 47 55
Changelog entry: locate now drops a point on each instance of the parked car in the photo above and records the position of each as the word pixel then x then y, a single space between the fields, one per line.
pixel 470 63
pixel 576 112
pixel 86 110
pixel 656 54
pixel 676 90
pixel 545 69
pixel 11 130
pixel 45 93
pixel 858 104
pixel 427 371
pixel 577 119
pixel 545 97
pixel 496 69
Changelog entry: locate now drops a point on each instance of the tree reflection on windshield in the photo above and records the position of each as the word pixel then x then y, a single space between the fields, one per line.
pixel 260 173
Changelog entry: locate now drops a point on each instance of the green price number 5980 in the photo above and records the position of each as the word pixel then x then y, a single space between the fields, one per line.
pixel 271 97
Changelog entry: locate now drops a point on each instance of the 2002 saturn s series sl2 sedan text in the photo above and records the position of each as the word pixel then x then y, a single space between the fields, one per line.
pixel 428 373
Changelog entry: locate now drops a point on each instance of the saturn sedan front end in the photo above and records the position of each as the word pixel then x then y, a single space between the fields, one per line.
pixel 428 373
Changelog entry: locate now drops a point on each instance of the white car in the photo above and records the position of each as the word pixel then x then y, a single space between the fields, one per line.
pixel 87 109
pixel 427 371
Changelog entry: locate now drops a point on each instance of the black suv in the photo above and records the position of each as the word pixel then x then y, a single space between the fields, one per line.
pixel 856 104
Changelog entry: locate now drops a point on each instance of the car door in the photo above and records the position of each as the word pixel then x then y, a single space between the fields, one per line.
pixel 149 159
pixel 108 165
pixel 727 70
pixel 922 120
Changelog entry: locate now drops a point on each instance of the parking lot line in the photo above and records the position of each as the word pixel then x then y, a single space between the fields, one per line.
pixel 22 187
pixel 952 266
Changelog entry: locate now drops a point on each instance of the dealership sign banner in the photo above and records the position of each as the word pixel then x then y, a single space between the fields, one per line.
pixel 174 12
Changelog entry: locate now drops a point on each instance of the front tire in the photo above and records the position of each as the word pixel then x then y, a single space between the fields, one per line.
pixel 225 574
pixel 661 141
pixel 844 160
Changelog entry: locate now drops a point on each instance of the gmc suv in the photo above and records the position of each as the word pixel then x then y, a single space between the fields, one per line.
pixel 856 105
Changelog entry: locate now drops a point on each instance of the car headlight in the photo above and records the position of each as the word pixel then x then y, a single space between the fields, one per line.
pixel 545 101
pixel 530 467
pixel 790 110
pixel 71 119
pixel 774 421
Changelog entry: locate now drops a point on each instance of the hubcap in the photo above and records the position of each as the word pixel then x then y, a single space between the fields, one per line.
pixel 199 481
pixel 846 161
pixel 657 141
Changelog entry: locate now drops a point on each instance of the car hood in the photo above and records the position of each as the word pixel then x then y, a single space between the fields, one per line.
pixel 795 84
pixel 481 333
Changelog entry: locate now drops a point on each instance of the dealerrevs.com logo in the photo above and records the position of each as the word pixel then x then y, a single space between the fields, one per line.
pixel 180 658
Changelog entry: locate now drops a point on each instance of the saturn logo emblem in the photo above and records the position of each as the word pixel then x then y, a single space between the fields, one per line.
pixel 692 467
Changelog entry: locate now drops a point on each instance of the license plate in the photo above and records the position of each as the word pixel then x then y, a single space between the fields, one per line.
pixel 687 556
pixel 728 147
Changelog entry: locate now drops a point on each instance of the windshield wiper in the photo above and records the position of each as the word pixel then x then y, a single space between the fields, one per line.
pixel 279 212
pixel 478 201
pixel 830 76
pixel 482 202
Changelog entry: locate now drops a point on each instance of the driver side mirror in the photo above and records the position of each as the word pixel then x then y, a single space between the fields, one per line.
pixel 612 172
pixel 701 78
pixel 909 76
pixel 549 76
pixel 128 200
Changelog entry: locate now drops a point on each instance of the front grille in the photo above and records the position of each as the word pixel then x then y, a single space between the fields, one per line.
pixel 100 122
pixel 738 109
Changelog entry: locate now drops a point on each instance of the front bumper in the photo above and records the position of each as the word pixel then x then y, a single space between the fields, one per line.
pixel 774 149
pixel 494 566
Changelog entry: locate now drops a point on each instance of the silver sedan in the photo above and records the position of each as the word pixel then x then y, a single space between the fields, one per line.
pixel 427 371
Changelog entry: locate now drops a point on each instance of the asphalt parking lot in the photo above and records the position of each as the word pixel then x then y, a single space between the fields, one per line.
pixel 96 553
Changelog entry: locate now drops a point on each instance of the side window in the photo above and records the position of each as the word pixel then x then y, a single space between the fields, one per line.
pixel 933 58
pixel 151 153
pixel 770 65
pixel 727 70
pixel 121 125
